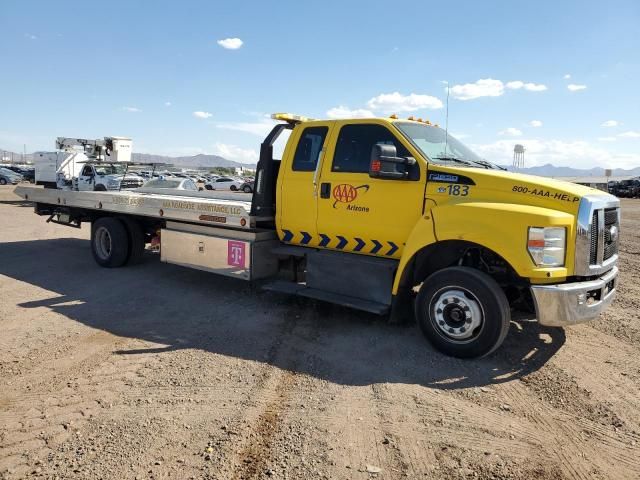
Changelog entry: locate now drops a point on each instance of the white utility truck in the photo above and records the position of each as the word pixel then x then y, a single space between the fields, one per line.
pixel 87 165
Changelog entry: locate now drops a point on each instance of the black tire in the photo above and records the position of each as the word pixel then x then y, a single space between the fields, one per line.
pixel 109 242
pixel 99 188
pixel 3 181
pixel 449 306
pixel 246 189
pixel 136 240
pixel 233 188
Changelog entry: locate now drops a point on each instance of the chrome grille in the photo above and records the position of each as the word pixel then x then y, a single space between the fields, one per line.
pixel 597 234
pixel 610 243
pixel 593 251
pixel 130 184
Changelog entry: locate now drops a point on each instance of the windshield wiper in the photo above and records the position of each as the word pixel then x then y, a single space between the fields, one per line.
pixel 493 166
pixel 453 159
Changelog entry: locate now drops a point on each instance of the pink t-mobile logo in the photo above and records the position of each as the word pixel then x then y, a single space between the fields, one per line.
pixel 235 253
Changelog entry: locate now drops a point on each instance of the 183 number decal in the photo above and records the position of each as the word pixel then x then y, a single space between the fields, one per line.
pixel 458 190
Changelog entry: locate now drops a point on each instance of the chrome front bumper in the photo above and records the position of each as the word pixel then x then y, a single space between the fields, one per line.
pixel 571 303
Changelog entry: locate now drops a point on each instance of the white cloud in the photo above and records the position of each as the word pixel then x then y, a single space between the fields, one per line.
pixel 230 43
pixel 577 154
pixel 259 128
pixel 567 76
pixel 510 132
pixel 610 123
pixel 485 87
pixel 345 112
pixel 573 87
pixel 629 134
pixel 131 109
pixel 607 139
pixel 531 87
pixel 167 104
pixel 460 136
pixel 31 36
pixel 200 114
pixel 396 102
pixel 233 152
pixel 535 123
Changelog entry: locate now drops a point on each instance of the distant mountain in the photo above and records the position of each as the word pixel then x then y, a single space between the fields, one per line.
pixel 200 160
pixel 549 170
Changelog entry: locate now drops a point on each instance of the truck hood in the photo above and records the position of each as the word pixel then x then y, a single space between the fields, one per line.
pixel 501 186
pixel 119 178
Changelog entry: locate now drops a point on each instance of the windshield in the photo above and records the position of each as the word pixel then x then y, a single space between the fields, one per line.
pixel 431 141
pixel 110 169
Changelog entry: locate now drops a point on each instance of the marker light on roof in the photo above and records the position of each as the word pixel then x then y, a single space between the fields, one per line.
pixel 394 116
pixel 290 117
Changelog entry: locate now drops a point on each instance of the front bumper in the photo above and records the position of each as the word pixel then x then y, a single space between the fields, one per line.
pixel 571 303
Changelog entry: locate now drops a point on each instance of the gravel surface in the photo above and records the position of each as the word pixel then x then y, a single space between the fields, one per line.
pixel 156 371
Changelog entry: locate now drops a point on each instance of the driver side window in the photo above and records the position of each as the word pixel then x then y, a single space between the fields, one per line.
pixel 87 171
pixel 353 148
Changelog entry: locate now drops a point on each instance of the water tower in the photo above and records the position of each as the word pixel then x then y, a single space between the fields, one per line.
pixel 518 157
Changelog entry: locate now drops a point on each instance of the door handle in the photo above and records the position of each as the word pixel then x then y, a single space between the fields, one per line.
pixel 325 190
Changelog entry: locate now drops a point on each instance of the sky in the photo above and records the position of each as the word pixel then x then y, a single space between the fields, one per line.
pixel 188 77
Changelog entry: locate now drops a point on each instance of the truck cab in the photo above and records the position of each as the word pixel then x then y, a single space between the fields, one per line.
pixel 106 176
pixel 398 212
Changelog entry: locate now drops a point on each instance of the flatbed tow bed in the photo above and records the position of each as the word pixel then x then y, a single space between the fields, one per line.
pixel 210 208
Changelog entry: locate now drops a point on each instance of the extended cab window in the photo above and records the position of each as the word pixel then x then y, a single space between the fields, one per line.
pixel 309 148
pixel 353 148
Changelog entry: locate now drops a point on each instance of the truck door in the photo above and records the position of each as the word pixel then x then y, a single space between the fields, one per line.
pixel 361 214
pixel 297 202
pixel 86 178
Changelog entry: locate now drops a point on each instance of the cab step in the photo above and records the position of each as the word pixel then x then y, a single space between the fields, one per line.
pixel 301 290
pixel 290 251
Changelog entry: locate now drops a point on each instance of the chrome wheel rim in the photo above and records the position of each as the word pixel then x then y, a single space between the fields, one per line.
pixel 103 243
pixel 457 314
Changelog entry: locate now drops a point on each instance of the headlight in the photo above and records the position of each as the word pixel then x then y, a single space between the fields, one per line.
pixel 547 245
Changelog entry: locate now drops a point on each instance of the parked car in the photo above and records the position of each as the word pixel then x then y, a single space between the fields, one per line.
pixel 28 174
pixel 627 188
pixel 9 177
pixel 171 183
pixel 247 187
pixel 224 183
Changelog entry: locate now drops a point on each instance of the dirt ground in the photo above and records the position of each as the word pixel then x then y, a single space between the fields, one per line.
pixel 156 371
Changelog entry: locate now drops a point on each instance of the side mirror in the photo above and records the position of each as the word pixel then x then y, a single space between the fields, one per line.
pixel 386 164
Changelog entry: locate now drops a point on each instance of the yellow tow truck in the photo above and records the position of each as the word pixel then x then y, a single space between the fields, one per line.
pixel 387 215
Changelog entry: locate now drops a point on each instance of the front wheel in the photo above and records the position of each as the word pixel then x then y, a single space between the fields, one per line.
pixel 3 181
pixel 233 188
pixel 463 312
pixel 246 189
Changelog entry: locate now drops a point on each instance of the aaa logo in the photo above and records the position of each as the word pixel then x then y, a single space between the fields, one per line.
pixel 346 193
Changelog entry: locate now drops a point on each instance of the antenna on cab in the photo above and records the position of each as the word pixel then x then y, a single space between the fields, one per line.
pixel 446 121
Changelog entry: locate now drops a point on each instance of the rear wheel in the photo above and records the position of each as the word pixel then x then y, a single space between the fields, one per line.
pixel 246 189
pixel 136 240
pixel 109 242
pixel 3 181
pixel 233 188
pixel 100 188
pixel 463 312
